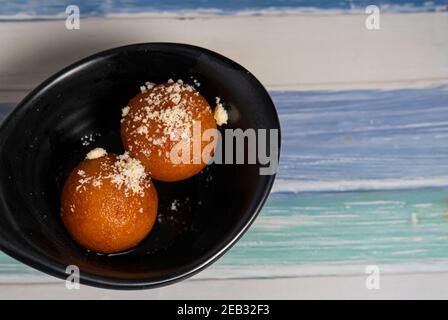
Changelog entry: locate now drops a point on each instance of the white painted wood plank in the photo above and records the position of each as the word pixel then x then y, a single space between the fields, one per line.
pixel 408 286
pixel 292 51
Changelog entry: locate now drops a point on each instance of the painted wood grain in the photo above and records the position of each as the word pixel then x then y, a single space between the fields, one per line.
pixel 362 177
pixel 361 181
pixel 410 50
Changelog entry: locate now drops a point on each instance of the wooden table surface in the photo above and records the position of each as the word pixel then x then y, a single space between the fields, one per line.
pixel 364 172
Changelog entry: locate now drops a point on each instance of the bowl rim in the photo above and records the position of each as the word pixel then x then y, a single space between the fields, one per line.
pixel 56 269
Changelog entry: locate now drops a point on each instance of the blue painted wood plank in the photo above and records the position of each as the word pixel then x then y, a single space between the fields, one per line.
pixel 52 9
pixel 5 109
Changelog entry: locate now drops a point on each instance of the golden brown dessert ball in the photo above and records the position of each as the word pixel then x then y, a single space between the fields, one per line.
pixel 108 202
pixel 161 119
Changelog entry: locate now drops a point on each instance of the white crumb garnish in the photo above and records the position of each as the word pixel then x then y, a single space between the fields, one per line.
pixel 125 111
pixel 96 153
pixel 220 115
pixel 149 85
pixel 175 98
pixel 82 183
pixel 87 139
pixel 168 114
pixel 130 173
pixel 142 130
pixel 174 205
pixel 126 173
pixel 97 183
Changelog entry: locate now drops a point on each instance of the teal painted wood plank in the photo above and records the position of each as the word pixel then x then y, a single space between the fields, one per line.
pixel 351 228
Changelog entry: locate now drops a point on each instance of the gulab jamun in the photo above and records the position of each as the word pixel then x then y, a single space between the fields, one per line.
pixel 165 120
pixel 108 202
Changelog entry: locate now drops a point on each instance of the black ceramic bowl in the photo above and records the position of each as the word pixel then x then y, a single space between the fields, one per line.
pixel 78 109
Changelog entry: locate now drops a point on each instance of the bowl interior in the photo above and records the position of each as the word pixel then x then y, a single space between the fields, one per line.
pixel 79 109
